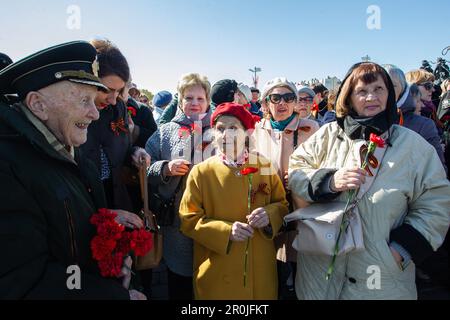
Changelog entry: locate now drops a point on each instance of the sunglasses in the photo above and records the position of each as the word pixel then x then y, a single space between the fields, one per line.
pixel 287 97
pixel 427 85
pixel 305 99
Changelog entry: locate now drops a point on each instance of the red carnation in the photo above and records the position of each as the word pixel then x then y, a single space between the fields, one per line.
pixel 102 247
pixel 249 170
pixel 184 132
pixel 112 266
pixel 132 111
pixel 377 140
pixel 143 242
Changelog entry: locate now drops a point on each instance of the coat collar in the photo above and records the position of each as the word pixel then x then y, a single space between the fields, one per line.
pixel 295 124
pixel 43 140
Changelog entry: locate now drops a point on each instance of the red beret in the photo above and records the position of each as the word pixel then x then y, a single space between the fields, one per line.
pixel 234 110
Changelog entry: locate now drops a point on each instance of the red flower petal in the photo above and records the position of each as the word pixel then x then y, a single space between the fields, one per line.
pixel 377 140
pixel 249 170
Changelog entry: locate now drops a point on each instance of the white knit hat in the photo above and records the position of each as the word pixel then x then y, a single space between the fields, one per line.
pixel 275 83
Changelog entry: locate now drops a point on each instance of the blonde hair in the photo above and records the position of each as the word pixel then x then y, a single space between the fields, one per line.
pixel 367 73
pixel 190 80
pixel 444 86
pixel 419 76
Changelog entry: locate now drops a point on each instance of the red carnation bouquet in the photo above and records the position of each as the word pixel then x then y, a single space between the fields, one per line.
pixel 113 243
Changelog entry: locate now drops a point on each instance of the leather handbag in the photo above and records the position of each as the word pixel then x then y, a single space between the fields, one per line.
pixel 153 257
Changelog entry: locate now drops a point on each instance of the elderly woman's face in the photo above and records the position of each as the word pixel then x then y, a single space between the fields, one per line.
pixel 194 101
pixel 426 90
pixel 282 110
pixel 369 99
pixel 70 110
pixel 304 105
pixel 230 136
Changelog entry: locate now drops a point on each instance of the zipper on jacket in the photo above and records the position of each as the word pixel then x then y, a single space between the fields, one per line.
pixel 73 244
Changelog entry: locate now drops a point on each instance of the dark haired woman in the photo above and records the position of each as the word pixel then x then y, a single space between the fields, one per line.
pixel 109 139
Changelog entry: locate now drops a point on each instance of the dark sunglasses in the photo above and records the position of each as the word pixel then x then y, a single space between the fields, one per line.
pixel 305 99
pixel 287 97
pixel 427 85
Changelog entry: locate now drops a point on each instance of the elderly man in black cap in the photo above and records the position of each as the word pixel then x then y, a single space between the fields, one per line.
pixel 48 191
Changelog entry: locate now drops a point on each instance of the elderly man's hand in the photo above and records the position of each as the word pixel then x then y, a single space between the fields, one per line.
pixel 140 156
pixel 128 219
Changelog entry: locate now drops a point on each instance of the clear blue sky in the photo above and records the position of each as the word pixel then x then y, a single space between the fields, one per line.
pixel 299 39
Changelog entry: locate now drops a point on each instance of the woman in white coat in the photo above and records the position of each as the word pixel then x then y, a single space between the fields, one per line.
pixel 405 212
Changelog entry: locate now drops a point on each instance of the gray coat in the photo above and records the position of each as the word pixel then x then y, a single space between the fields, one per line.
pixel 164 145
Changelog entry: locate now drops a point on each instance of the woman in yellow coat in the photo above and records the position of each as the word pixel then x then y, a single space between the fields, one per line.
pixel 233 217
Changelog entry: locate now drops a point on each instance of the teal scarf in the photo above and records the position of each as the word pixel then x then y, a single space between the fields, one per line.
pixel 281 125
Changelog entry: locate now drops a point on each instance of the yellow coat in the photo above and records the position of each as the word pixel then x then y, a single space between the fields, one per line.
pixel 216 197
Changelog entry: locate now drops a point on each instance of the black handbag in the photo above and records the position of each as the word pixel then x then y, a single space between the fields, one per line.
pixel 164 209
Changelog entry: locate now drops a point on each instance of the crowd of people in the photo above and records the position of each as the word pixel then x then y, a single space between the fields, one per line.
pixel 226 164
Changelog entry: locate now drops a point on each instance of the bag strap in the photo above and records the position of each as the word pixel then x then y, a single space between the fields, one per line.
pixel 148 215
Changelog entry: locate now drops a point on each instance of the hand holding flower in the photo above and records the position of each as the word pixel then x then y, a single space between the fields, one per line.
pixel 241 232
pixel 348 179
pixel 258 218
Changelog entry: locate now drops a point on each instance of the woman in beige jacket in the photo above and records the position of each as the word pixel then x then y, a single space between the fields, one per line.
pixel 276 137
pixel 405 211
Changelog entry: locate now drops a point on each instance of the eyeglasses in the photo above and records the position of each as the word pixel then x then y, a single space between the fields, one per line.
pixel 305 99
pixel 427 85
pixel 287 97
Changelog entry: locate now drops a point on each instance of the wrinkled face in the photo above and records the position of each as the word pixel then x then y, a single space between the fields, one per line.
pixel 397 87
pixel 426 90
pixel 194 101
pixel 230 136
pixel 369 99
pixel 70 109
pixel 115 86
pixel 304 105
pixel 282 110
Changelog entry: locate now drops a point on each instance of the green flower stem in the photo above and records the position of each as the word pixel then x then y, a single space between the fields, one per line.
pixel 351 195
pixel 249 203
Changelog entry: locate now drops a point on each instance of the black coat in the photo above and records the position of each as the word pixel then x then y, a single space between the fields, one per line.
pixel 144 119
pixel 46 202
pixel 117 146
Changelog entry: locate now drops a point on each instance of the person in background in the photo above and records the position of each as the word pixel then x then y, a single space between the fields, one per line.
pixel 276 137
pixel 245 98
pixel 110 139
pixel 174 149
pixel 305 102
pixel 255 97
pixel 425 81
pixel 160 101
pixel 134 91
pixel 320 101
pixel 406 103
pixel 225 90
pixel 144 100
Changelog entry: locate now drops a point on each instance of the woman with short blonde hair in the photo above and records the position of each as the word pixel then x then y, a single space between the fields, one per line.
pixel 190 80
